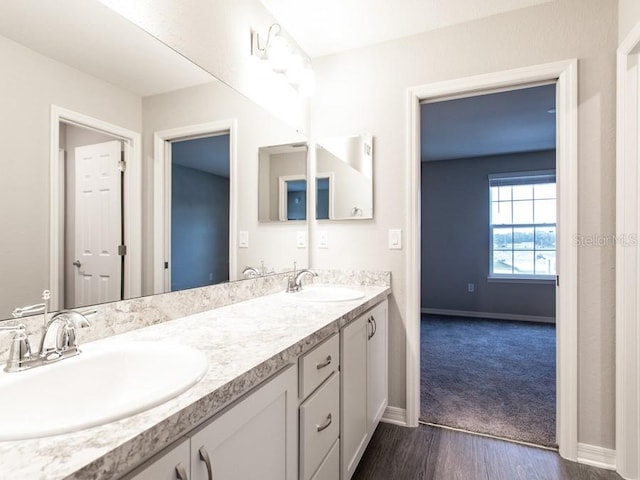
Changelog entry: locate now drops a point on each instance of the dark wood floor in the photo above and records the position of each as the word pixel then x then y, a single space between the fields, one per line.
pixel 431 453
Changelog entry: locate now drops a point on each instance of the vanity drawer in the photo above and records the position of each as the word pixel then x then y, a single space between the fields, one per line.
pixel 318 365
pixel 330 467
pixel 319 425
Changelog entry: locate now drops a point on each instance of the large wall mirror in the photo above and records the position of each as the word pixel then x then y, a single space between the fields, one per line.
pixel 344 178
pixel 123 161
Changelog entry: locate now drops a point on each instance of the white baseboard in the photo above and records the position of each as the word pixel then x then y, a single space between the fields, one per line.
pixel 395 415
pixel 596 456
pixel 497 316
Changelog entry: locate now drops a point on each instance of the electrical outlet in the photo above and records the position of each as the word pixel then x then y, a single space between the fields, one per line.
pixel 471 287
pixel 323 239
pixel 301 239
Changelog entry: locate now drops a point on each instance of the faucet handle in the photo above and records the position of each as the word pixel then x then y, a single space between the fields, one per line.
pixel 20 347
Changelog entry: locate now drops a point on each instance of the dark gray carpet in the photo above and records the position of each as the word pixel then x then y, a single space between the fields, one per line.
pixel 489 376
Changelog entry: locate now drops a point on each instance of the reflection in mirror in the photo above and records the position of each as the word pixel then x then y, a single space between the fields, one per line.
pixel 344 178
pixel 78 189
pixel 199 212
pixel 282 185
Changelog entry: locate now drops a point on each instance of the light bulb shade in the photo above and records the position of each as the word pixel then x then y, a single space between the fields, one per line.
pixel 278 53
pixel 295 69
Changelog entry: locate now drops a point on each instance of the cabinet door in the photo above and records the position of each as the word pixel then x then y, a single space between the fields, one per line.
pixel 353 428
pixel 377 365
pixel 254 439
pixel 172 463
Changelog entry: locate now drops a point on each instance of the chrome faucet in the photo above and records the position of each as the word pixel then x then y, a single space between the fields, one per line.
pixel 294 283
pixel 252 272
pixel 59 338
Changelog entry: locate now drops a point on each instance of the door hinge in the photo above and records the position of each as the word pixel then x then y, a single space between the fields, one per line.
pixel 557 280
pixel 122 166
pixel 166 265
pixel 122 250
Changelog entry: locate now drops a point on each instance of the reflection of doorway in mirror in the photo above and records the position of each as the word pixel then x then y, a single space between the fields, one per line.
pixel 95 229
pixel 93 213
pixel 292 197
pixel 70 130
pixel 297 200
pixel 200 202
pixel 162 188
pixel 324 196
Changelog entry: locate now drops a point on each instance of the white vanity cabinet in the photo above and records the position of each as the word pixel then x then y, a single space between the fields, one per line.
pixel 255 438
pixel 364 360
pixel 311 421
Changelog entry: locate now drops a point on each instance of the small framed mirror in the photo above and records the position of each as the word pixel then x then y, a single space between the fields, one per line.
pixel 344 178
pixel 282 183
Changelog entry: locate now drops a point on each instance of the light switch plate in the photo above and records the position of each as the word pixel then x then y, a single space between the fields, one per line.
pixel 301 239
pixel 243 239
pixel 395 239
pixel 323 239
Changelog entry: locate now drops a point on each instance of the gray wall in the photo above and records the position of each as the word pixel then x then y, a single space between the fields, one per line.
pixel 365 90
pixel 30 84
pixel 455 238
pixel 628 17
pixel 199 228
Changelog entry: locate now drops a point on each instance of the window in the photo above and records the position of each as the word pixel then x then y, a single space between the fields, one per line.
pixel 523 225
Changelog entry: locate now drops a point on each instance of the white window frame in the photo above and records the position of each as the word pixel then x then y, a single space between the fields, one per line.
pixel 518 178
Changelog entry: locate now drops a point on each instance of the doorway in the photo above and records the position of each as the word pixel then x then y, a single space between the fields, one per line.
pixel 210 140
pixel 199 212
pixel 565 74
pixel 489 263
pixel 95 242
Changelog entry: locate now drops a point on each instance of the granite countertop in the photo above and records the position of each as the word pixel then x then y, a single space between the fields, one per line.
pixel 245 344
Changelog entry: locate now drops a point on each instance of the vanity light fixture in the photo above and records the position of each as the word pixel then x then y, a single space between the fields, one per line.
pixel 284 58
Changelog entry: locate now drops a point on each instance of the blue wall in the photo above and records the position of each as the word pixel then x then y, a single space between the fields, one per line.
pixel 199 228
pixel 455 238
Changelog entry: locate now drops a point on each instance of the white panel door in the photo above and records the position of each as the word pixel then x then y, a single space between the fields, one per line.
pixel 98 226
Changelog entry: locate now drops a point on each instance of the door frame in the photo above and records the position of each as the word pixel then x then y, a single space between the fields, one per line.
pixel 132 192
pixel 627 266
pixel 330 176
pixel 162 199
pixel 565 74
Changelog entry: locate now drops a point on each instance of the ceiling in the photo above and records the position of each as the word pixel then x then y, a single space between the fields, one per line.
pixel 96 40
pixel 493 124
pixel 330 26
pixel 207 154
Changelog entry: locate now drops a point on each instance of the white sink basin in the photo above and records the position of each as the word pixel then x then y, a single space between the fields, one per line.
pixel 327 293
pixel 104 383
